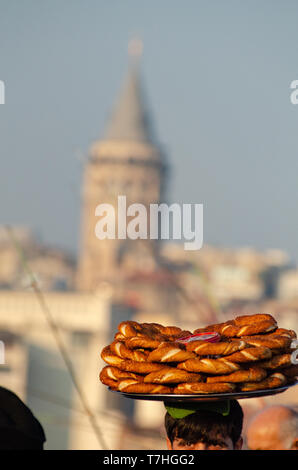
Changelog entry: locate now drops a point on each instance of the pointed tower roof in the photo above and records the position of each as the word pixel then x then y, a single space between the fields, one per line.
pixel 129 119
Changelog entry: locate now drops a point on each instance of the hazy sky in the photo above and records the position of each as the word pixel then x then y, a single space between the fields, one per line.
pixel 217 75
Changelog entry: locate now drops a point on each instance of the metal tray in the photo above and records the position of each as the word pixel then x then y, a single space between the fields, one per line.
pixel 204 396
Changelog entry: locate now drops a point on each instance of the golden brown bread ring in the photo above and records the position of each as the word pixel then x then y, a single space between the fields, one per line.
pixel 133 328
pixel 255 353
pixel 165 330
pixel 116 374
pixel 274 380
pixel 171 375
pixel 143 388
pixel 139 367
pixel 204 348
pixel 229 329
pixel 120 349
pixel 253 374
pixel 113 384
pixel 280 360
pixel 256 328
pixel 124 383
pixel 170 352
pixel 249 319
pixel 209 366
pixel 291 371
pixel 119 336
pixel 181 334
pixel 144 342
pixel 216 327
pixel 110 358
pixel 284 332
pixel 192 388
pixel 129 328
pixel 272 341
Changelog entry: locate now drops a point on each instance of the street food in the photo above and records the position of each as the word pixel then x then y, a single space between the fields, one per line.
pixel 243 354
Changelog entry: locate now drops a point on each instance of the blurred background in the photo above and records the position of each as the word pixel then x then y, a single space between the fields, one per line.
pixel 161 102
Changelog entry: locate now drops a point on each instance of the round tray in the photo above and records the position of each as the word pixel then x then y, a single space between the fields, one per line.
pixel 204 396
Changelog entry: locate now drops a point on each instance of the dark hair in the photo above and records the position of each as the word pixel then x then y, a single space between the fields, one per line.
pixel 206 426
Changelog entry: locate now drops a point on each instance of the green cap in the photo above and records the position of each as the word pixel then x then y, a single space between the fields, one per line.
pixel 181 410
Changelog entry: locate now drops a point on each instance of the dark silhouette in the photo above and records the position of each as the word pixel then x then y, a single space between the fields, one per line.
pixel 19 429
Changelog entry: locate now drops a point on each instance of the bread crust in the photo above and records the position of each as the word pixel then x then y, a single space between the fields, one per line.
pixel 252 354
pixel 198 388
pixel 271 341
pixel 209 366
pixel 110 358
pixel 204 348
pixel 121 350
pixel 276 362
pixel 252 374
pixel 252 319
pixel 144 388
pixel 114 373
pixel 170 352
pixel 171 375
pixel 274 380
pixel 139 367
pixel 144 342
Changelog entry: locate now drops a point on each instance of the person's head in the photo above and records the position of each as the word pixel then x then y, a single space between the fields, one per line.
pixel 19 429
pixel 205 427
pixel 274 428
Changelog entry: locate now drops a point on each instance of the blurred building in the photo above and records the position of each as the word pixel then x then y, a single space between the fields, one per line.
pixel 288 285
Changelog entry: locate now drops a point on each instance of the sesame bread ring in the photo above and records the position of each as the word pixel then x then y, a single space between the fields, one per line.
pixel 217 327
pixel 171 375
pixel 256 328
pixel 124 383
pixel 253 374
pixel 129 328
pixel 251 319
pixel 209 366
pixel 214 327
pixel 280 360
pixel 204 348
pixel 119 336
pixel 165 330
pixel 113 384
pixel 275 380
pixel 139 367
pixel 255 353
pixel 284 332
pixel 110 358
pixel 191 388
pixel 170 352
pixel 291 371
pixel 181 334
pixel 275 342
pixel 230 329
pixel 116 374
pixel 143 388
pixel 119 348
pixel 144 342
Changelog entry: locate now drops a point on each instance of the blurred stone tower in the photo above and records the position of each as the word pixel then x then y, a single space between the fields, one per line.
pixel 127 161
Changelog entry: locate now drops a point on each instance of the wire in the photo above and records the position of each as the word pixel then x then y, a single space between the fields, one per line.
pixel 56 333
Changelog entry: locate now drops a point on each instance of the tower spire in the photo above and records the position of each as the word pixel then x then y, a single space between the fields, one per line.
pixel 129 119
pixel 135 49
